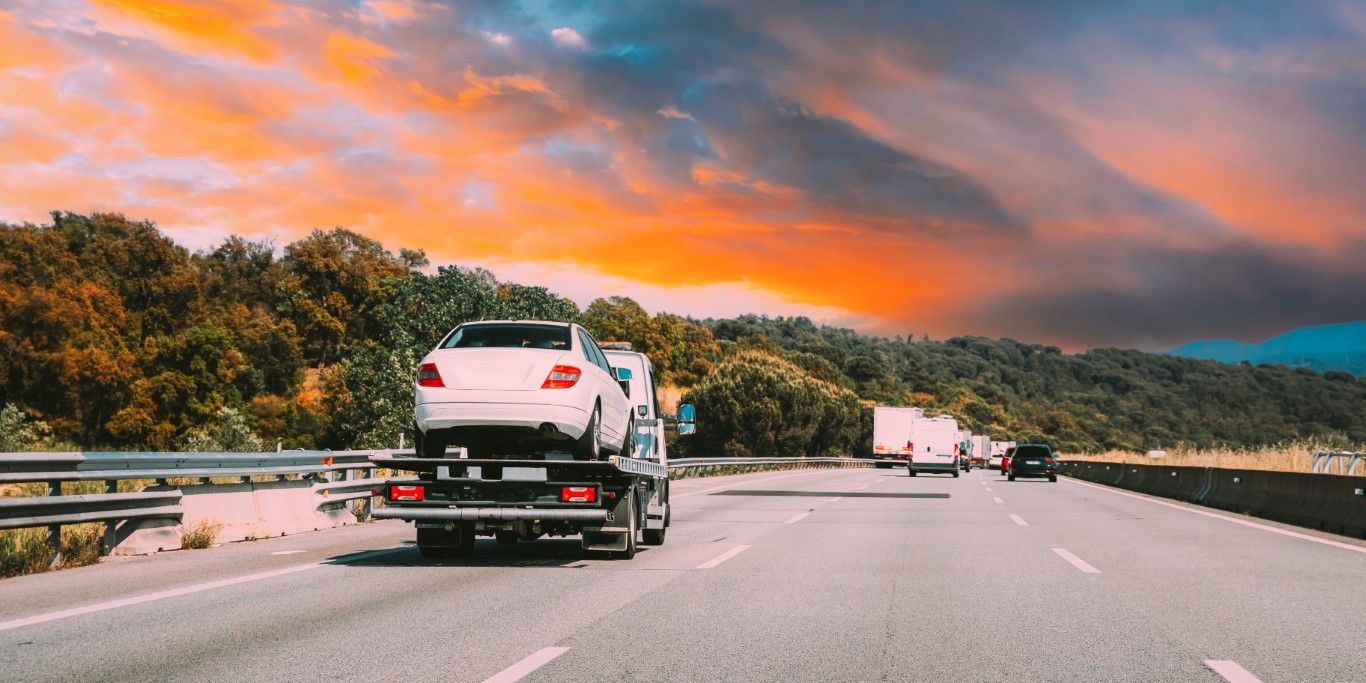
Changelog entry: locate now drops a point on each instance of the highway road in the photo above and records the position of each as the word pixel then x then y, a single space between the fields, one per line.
pixel 840 575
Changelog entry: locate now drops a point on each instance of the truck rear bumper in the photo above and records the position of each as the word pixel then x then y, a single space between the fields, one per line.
pixel 933 466
pixel 491 513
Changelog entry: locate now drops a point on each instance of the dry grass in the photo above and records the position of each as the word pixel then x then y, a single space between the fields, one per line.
pixel 1289 457
pixel 25 551
pixel 200 535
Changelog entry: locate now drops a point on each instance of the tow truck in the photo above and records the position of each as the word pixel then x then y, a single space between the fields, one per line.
pixel 613 504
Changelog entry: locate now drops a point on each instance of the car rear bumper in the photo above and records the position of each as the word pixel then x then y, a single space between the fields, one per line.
pixel 1034 472
pixel 568 420
pixel 934 466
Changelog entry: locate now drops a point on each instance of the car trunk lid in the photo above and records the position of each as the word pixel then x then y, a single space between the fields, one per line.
pixel 496 369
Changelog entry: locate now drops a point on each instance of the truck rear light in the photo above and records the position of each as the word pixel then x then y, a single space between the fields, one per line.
pixel 428 376
pixel 578 494
pixel 562 377
pixel 408 492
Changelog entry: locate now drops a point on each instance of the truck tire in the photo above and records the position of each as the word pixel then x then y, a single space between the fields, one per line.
pixel 506 537
pixel 654 537
pixel 955 474
pixel 632 528
pixel 910 471
pixel 589 446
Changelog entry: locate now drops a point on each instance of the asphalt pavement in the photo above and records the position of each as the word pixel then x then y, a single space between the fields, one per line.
pixel 825 575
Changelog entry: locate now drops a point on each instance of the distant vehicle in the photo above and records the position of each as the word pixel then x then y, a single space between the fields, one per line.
pixel 1033 460
pixel 936 445
pixel 998 451
pixel 981 451
pixel 1005 459
pixel 892 434
pixel 499 387
pixel 965 445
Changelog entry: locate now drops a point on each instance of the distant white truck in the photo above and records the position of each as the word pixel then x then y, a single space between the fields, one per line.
pixel 892 433
pixel 981 450
pixel 935 445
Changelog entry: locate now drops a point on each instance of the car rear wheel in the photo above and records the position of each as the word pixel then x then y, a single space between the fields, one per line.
pixel 1053 478
pixel 628 441
pixel 589 446
pixel 430 445
pixel 1010 477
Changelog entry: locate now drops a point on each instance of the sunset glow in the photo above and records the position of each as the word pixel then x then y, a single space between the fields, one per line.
pixel 1102 175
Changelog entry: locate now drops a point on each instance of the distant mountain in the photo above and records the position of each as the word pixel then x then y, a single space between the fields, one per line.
pixel 1322 348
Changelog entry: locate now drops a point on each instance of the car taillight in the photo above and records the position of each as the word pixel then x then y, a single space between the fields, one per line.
pixel 578 494
pixel 1048 460
pixel 428 376
pixel 407 492
pixel 562 377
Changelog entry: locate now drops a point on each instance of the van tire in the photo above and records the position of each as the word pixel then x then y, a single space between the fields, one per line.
pixel 910 471
pixel 955 474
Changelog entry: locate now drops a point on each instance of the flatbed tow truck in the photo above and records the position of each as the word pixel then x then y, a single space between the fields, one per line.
pixel 613 503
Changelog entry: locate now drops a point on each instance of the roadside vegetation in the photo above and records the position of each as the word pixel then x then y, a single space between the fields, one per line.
pixel 112 336
pixel 1295 456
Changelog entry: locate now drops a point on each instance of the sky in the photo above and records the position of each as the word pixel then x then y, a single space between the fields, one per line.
pixel 1133 174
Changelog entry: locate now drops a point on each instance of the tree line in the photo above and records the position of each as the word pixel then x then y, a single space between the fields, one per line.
pixel 113 336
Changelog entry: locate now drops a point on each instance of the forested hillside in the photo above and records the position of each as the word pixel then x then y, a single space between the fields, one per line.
pixel 113 336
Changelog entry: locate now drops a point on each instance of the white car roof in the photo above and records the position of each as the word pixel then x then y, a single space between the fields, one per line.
pixel 553 323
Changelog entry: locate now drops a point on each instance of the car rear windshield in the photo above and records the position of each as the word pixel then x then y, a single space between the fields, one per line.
pixel 1033 452
pixel 509 337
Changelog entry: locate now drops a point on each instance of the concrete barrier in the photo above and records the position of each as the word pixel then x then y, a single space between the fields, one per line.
pixel 245 511
pixel 1329 502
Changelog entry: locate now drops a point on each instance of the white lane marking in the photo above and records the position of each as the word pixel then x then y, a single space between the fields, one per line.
pixel 742 483
pixel 1018 520
pixel 287 552
pixel 176 592
pixel 1076 561
pixel 988 489
pixel 860 488
pixel 835 499
pixel 1231 671
pixel 532 662
pixel 998 499
pixel 1226 518
pixel 723 557
pixel 797 518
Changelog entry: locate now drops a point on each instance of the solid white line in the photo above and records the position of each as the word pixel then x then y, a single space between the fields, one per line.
pixel 287 552
pixel 1231 671
pixel 521 669
pixel 1226 518
pixel 741 483
pixel 174 593
pixel 1018 520
pixel 796 518
pixel 1076 561
pixel 998 499
pixel 723 557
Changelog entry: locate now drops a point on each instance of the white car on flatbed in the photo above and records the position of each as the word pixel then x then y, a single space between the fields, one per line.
pixel 518 386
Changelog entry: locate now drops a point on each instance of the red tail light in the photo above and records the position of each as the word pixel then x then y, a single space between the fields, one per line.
pixel 407 492
pixel 562 377
pixel 428 376
pixel 1049 460
pixel 578 494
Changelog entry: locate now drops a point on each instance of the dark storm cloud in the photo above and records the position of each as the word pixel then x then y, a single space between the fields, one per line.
pixel 1250 291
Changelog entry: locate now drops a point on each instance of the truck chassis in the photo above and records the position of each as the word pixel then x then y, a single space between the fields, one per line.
pixel 612 503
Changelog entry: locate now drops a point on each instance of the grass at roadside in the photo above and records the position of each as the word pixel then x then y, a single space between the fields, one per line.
pixel 1289 457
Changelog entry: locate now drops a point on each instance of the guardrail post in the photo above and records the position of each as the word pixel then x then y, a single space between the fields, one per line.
pixel 54 531
pixel 111 526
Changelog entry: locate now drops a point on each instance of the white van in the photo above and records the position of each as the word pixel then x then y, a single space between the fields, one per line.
pixel 892 433
pixel 935 445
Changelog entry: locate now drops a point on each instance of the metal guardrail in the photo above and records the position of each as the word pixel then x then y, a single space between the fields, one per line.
pixel 333 475
pixel 1324 461
pixel 336 482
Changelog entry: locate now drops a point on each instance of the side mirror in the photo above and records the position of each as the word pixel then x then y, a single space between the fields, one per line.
pixel 623 379
pixel 643 410
pixel 686 428
pixel 686 413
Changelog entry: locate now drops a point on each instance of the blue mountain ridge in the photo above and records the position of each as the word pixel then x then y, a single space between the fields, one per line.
pixel 1322 348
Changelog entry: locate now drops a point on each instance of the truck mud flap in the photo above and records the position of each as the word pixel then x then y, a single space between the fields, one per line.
pixel 413 514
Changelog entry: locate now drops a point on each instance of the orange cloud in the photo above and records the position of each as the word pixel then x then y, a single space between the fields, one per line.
pixel 219 26
pixel 354 57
